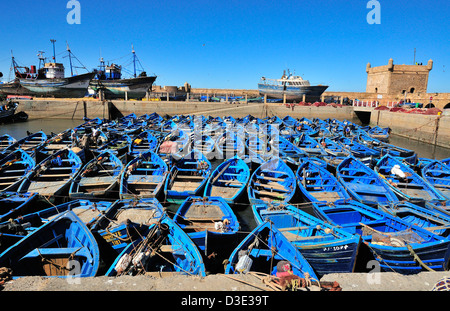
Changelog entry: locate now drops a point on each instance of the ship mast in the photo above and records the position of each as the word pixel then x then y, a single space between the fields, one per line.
pixel 134 59
pixel 54 56
pixel 70 59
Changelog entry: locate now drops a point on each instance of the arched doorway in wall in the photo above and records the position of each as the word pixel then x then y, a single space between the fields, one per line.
pixel 411 90
pixel 430 105
pixel 447 106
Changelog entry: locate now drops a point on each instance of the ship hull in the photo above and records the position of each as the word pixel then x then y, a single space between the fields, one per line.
pixel 292 93
pixel 14 88
pixel 75 86
pixel 134 87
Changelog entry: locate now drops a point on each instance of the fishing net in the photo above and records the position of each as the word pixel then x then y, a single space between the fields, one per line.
pixel 399 239
pixel 442 285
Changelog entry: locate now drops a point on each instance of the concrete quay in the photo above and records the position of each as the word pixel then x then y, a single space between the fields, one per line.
pixel 432 129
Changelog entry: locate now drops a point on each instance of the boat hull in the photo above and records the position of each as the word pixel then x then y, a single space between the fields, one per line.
pixel 75 86
pixel 134 87
pixel 311 93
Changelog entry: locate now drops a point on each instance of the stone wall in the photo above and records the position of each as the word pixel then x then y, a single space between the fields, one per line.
pixel 431 129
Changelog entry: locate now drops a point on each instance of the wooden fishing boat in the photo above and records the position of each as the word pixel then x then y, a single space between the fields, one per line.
pixel 6 140
pixel 53 144
pixel 63 247
pixel 405 182
pixel 118 146
pixel 143 142
pixel 438 175
pixel 165 248
pixel 263 249
pixel 28 144
pixel 13 204
pixel 317 184
pixel 187 177
pixel 204 218
pixel 272 181
pixel 99 178
pixel 229 144
pixel 51 178
pixel 403 154
pixel 127 221
pixel 327 248
pixel 88 211
pixel 308 145
pixel 288 152
pixel 379 133
pixel 13 168
pixel 397 245
pixel 143 177
pixel 205 144
pixel 364 184
pixel 259 145
pixel 228 180
pixel 432 220
pixel 175 145
pixel 357 149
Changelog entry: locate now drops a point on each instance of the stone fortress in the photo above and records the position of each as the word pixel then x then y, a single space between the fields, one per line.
pixel 398 79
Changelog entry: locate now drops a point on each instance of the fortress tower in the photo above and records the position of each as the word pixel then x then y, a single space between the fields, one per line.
pixel 397 79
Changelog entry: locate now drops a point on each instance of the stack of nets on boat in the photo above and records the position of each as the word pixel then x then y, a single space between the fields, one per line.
pixel 399 238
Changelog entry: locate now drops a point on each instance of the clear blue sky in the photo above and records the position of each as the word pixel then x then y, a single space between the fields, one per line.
pixel 231 44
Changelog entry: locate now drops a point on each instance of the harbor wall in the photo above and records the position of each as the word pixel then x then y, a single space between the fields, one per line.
pixel 433 129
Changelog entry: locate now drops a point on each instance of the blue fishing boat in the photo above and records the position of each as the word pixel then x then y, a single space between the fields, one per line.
pixel 28 144
pixel 317 184
pixel 228 180
pixel 99 178
pixel 6 140
pixel 143 177
pixel 165 248
pixel 259 146
pixel 364 184
pixel 204 218
pixel 397 245
pixel 13 168
pixel 290 121
pixel 127 221
pixel 358 149
pixel 405 182
pixel 118 146
pixel 403 154
pixel 274 180
pixel 438 175
pixel 263 249
pixel 175 145
pixel 327 248
pixel 63 247
pixel 432 220
pixel 229 144
pixel 205 144
pixel 143 142
pixel 51 178
pixel 13 204
pixel 308 145
pixel 288 152
pixel 53 144
pixel 379 133
pixel 187 177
